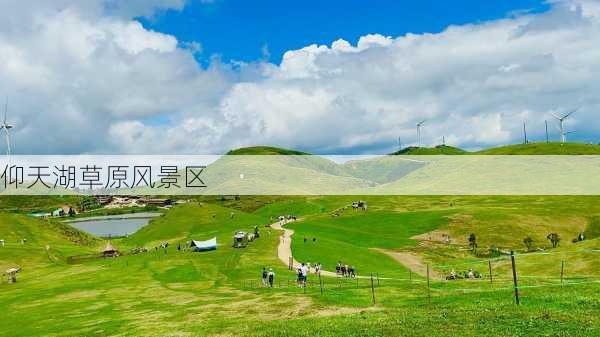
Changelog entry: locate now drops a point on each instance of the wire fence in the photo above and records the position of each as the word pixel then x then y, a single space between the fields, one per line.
pixel 497 277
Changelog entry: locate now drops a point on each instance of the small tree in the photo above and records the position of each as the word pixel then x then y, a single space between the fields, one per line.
pixel 554 239
pixel 528 241
pixel 473 242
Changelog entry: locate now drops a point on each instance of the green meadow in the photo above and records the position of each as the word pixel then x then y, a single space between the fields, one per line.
pixel 167 292
pixel 217 293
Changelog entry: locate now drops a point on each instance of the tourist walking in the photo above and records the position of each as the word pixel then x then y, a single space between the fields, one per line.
pixel 264 277
pixel 271 277
pixel 304 271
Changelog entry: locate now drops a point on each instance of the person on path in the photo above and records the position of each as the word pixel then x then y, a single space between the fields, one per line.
pixel 304 270
pixel 264 277
pixel 271 277
pixel 299 274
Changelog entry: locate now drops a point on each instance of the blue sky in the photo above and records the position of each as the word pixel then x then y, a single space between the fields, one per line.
pixel 119 75
pixel 238 30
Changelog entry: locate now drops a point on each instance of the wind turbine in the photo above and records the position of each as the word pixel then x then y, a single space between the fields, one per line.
pixel 419 126
pixel 561 120
pixel 6 127
pixel 568 133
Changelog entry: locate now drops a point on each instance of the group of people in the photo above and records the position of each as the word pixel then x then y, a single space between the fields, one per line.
pixel 2 242
pixel 304 270
pixel 268 277
pixel 470 274
pixel 345 270
pixel 283 219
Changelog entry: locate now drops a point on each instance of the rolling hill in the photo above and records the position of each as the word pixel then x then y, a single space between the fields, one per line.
pixel 47 242
pixel 437 150
pixel 543 149
pixel 265 150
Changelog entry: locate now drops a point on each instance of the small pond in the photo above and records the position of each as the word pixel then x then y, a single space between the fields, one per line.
pixel 113 225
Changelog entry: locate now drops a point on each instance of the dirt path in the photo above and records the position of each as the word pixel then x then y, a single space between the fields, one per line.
pixel 411 261
pixel 284 249
pixel 284 252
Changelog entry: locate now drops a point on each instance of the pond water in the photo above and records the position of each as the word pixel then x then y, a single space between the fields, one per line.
pixel 113 225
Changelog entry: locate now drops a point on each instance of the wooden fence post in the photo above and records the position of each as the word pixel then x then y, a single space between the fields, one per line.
pixel 562 272
pixel 320 284
pixel 490 265
pixel 372 289
pixel 428 286
pixel 514 272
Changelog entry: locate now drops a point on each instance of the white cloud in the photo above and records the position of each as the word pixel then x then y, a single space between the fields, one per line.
pixel 472 83
pixel 85 77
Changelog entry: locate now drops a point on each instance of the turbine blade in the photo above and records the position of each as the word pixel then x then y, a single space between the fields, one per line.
pixel 570 113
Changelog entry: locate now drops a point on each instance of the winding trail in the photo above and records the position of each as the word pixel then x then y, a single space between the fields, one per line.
pixel 284 249
pixel 284 253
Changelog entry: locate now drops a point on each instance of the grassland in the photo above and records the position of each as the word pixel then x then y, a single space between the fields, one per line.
pixel 535 148
pixel 541 148
pixel 216 293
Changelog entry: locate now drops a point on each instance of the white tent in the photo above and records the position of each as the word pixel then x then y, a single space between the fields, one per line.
pixel 201 246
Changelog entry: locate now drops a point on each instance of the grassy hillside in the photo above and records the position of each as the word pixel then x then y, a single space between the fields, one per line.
pixel 265 150
pixel 440 149
pixel 350 236
pixel 33 203
pixel 516 149
pixel 61 239
pixel 544 149
pixel 195 221
pixel 216 293
pixel 391 222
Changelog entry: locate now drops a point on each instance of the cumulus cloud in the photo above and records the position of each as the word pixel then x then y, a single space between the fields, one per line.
pixel 87 77
pixel 474 84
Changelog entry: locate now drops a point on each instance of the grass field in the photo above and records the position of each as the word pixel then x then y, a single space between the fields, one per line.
pixel 218 293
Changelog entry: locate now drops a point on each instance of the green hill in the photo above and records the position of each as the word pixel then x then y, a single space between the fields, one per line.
pixel 440 149
pixel 543 149
pixel 515 149
pixel 33 203
pixel 15 227
pixel 194 221
pixel 265 150
pixel 61 239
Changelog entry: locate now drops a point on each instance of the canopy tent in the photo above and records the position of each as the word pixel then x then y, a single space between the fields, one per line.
pixel 201 246
pixel 110 250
